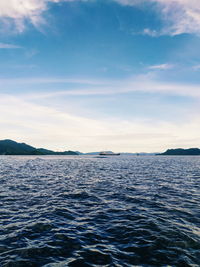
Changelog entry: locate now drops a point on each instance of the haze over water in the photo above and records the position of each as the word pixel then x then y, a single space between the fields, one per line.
pixel 87 211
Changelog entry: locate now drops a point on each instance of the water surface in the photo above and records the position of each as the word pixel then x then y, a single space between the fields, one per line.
pixel 87 211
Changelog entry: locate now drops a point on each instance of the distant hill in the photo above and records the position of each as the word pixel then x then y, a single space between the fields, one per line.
pixel 124 153
pixel 51 152
pixel 96 153
pixel 10 147
pixel 182 152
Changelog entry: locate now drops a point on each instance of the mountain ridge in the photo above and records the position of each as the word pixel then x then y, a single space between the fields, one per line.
pixel 10 147
pixel 181 152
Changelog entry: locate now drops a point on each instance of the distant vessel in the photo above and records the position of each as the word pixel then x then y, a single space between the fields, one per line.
pixel 108 154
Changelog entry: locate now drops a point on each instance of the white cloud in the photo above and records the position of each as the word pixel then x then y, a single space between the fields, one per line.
pixel 165 66
pixel 20 11
pixel 42 125
pixel 142 83
pixel 196 67
pixel 183 16
pixel 130 2
pixel 47 127
pixel 152 33
pixel 180 16
pixel 9 46
pixel 52 80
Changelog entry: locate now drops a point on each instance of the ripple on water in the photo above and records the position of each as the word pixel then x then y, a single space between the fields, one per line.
pixel 124 211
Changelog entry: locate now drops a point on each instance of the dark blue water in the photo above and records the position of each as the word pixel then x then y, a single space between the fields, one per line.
pixel 118 211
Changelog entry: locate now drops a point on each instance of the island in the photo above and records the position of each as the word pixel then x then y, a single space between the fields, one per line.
pixel 10 147
pixel 181 152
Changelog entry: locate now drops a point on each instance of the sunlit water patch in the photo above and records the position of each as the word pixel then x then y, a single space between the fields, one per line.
pixel 81 211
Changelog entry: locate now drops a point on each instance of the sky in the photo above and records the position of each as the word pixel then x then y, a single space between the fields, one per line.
pixel 98 75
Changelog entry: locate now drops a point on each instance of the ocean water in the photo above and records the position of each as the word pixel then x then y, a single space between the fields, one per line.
pixel 87 211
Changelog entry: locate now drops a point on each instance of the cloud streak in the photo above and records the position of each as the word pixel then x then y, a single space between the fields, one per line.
pixel 142 83
pixel 61 130
pixel 165 66
pixel 9 46
pixel 180 16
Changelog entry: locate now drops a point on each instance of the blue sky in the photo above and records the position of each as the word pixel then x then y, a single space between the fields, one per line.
pixel 119 75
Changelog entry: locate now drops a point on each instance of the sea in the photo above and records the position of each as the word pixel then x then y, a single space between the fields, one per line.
pixel 58 211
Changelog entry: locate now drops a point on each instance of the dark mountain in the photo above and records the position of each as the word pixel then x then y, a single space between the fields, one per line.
pixel 182 152
pixel 79 153
pixel 69 152
pixel 51 152
pixel 96 153
pixel 45 151
pixel 123 153
pixel 10 147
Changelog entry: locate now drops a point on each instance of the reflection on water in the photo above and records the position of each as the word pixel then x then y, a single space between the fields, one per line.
pixel 81 211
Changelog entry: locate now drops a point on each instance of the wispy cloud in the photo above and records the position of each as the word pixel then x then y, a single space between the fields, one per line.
pixel 62 130
pixel 150 32
pixel 165 66
pixel 180 16
pixel 141 83
pixel 9 46
pixel 139 86
pixel 19 12
pixel 54 80
pixel 196 67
